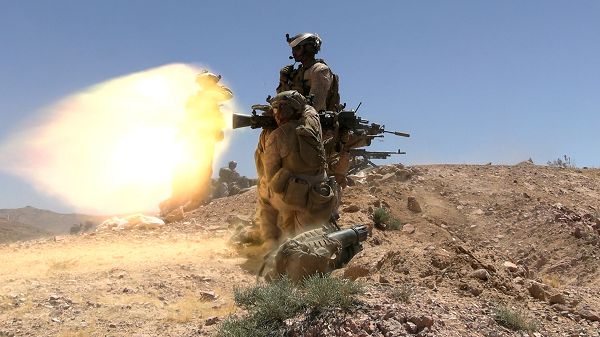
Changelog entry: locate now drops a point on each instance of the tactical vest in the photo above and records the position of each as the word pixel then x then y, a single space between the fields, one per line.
pixel 298 83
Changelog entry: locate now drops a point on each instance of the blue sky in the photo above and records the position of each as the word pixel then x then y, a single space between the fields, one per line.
pixel 472 81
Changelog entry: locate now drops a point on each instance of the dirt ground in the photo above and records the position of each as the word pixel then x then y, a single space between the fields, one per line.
pixel 524 237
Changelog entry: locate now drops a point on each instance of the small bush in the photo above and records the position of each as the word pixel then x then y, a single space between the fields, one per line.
pixel 322 292
pixel 276 301
pixel 270 304
pixel 403 293
pixel 395 224
pixel 247 326
pixel 514 319
pixel 565 162
pixel 381 216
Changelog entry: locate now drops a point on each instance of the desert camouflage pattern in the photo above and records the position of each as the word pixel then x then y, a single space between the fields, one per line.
pixel 294 169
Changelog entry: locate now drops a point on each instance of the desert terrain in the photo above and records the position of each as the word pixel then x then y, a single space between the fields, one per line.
pixel 523 237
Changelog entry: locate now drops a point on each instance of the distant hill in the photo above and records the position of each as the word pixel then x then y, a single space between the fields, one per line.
pixel 44 220
pixel 13 231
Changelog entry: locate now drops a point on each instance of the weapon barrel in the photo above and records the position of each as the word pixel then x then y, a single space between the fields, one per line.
pixel 253 121
pixel 401 134
pixel 351 236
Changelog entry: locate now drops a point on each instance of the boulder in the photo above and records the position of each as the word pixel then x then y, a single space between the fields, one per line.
pixel 511 267
pixel 351 209
pixel 413 205
pixel 537 291
pixel 408 228
pixel 481 274
pixel 557 298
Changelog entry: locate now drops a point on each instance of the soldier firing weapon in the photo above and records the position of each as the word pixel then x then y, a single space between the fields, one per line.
pixel 360 159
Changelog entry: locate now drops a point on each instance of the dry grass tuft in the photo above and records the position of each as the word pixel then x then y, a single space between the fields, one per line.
pixel 514 319
pixel 552 280
pixel 403 293
pixel 61 265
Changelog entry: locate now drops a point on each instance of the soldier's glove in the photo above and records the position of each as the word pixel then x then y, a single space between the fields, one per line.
pixel 286 72
pixel 266 109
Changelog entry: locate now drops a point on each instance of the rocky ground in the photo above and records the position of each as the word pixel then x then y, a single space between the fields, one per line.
pixel 475 239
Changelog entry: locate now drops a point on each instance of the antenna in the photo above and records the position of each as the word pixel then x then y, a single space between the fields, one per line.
pixel 359 104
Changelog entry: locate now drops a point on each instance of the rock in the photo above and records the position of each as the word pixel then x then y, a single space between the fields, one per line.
pixel 557 299
pixel 411 327
pixel 372 177
pixel 351 209
pixel 383 279
pixel 413 204
pixel 537 291
pixel 175 215
pixel 403 174
pixel 388 176
pixel 211 321
pixel 481 274
pixel 208 296
pixel 478 212
pixel 511 267
pixel 355 270
pixel 408 228
pixel 421 322
pixel 589 315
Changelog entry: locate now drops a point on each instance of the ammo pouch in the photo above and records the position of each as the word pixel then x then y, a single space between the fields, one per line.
pixel 280 180
pixel 321 197
pixel 296 193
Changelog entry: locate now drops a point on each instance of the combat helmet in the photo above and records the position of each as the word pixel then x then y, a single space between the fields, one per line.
pixel 288 103
pixel 206 77
pixel 305 39
pixel 232 165
pixel 210 81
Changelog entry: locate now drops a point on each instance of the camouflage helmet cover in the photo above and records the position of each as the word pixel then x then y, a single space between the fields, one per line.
pixel 232 165
pixel 289 103
pixel 206 77
pixel 305 39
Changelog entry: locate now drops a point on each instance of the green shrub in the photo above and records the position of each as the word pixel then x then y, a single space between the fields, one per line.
pixel 326 292
pixel 276 301
pixel 403 293
pixel 247 326
pixel 270 304
pixel 394 224
pixel 514 319
pixel 381 216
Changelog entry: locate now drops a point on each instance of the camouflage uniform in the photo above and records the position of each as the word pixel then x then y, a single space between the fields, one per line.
pixel 314 79
pixel 266 214
pixel 191 182
pixel 294 172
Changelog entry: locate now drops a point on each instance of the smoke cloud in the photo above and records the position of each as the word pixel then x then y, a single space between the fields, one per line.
pixel 110 148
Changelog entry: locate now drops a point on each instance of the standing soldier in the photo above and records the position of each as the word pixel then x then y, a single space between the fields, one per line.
pixel 313 77
pixel 202 128
pixel 294 168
